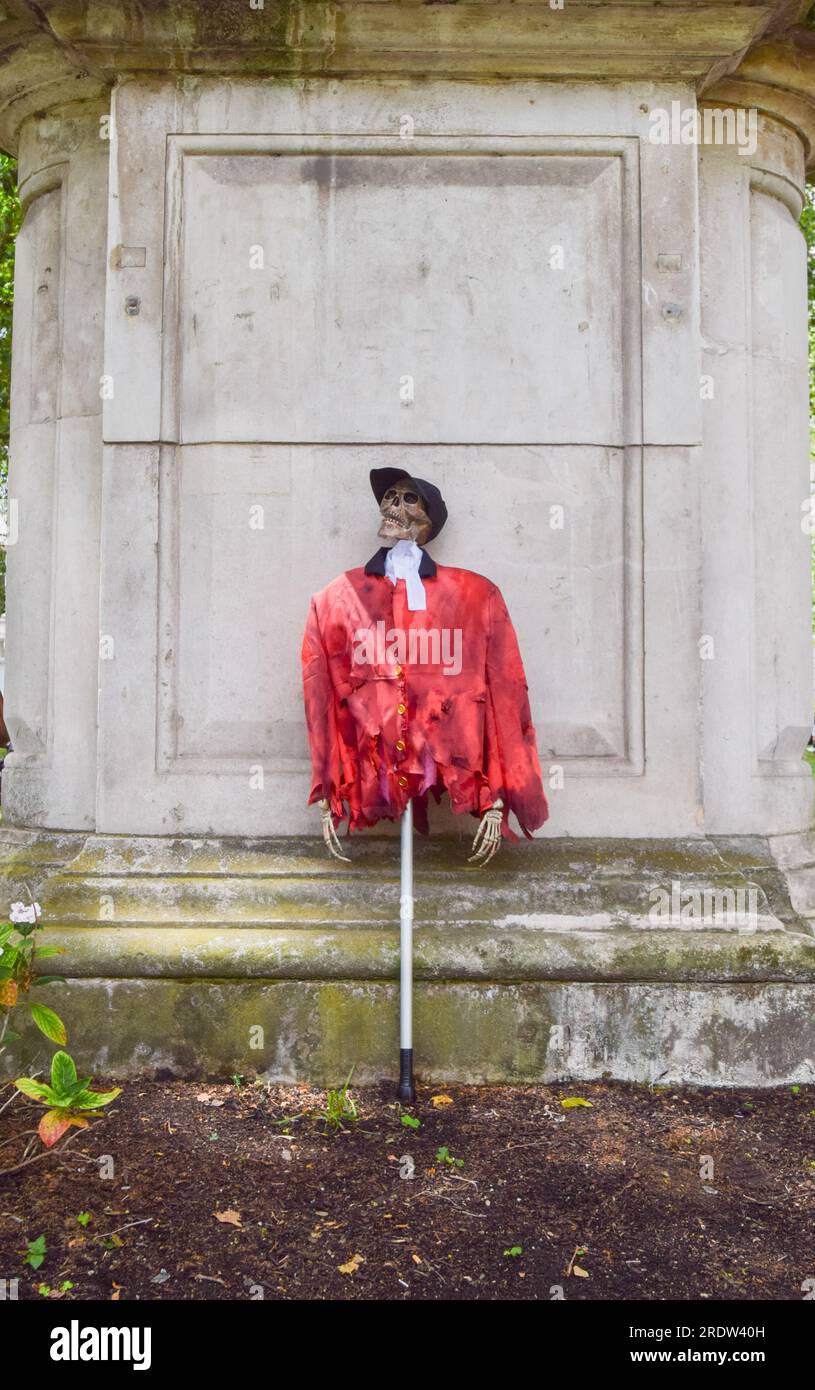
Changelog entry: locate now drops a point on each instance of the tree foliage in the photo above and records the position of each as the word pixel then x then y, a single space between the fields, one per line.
pixel 808 226
pixel 9 226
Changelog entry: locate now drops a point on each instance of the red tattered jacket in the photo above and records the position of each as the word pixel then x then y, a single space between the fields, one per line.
pixel 399 703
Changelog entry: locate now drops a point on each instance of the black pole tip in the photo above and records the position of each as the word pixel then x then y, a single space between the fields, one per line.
pixel 406 1091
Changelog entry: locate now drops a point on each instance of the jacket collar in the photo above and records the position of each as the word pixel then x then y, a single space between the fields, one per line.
pixel 376 564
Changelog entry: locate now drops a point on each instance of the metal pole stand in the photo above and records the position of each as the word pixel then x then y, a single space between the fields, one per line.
pixel 407 1086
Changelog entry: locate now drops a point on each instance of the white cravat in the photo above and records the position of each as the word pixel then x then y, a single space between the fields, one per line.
pixel 402 562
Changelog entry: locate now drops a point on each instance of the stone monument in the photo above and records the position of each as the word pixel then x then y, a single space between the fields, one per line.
pixel 547 254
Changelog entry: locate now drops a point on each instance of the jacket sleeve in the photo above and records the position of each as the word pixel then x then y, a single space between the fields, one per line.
pixel 513 768
pixel 321 719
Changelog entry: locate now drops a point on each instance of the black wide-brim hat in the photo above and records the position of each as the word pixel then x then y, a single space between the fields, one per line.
pixel 383 478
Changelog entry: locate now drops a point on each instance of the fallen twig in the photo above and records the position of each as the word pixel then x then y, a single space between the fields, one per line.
pixel 428 1192
pixel 47 1153
pixel 13 1138
pixel 104 1235
pixel 15 1095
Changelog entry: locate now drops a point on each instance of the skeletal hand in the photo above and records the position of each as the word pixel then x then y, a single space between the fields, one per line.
pixel 330 834
pixel 488 836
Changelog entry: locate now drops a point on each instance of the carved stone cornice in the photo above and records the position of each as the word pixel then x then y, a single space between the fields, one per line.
pixel 57 50
pixel 409 37
pixel 777 78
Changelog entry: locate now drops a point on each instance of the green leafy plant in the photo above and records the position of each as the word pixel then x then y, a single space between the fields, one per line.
pixel 68 1099
pixel 339 1106
pixel 35 1252
pixel 45 1290
pixel 443 1155
pixel 19 953
pixel 410 1121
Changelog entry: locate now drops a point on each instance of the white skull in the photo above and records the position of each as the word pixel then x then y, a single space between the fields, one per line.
pixel 403 514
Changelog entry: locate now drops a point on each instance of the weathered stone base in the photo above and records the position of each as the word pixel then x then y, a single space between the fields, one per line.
pixel 288 1030
pixel 200 958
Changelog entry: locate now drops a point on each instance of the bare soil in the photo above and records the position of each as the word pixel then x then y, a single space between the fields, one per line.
pixel 645 1194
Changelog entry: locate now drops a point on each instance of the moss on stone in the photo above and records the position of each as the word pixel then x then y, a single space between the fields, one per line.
pixel 472 1032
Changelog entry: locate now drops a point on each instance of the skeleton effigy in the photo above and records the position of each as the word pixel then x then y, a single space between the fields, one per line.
pixel 414 683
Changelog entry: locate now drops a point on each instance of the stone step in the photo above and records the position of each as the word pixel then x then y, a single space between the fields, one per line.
pixel 85 854
pixel 464 1031
pixel 205 957
pixel 500 899
pixel 556 884
pixel 473 952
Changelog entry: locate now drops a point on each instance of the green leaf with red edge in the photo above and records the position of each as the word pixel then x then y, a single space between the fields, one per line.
pixel 55 1123
pixel 49 1023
